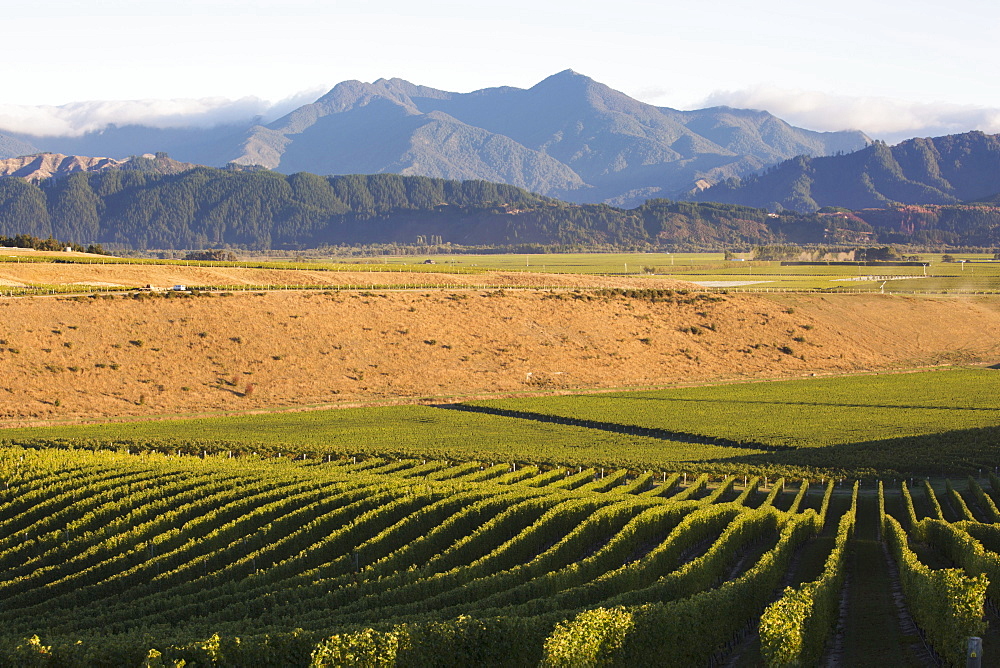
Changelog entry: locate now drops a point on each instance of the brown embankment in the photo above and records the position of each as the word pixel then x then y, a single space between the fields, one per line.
pixel 98 358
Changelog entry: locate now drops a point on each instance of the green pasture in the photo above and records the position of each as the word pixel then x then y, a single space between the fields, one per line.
pixel 929 422
pixel 978 273
pixel 798 413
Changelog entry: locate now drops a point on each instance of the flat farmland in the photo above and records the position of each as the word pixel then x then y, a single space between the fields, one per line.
pixel 811 412
pixel 969 272
pixel 125 275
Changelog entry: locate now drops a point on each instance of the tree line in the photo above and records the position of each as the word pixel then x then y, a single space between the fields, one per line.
pixel 211 208
pixel 48 244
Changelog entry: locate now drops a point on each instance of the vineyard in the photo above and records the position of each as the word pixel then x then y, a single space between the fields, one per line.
pixel 133 557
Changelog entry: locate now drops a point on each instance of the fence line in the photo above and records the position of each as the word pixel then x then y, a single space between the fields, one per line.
pixel 30 291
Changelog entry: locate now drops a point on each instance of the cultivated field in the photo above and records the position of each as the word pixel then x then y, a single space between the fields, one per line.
pixel 934 423
pixel 86 276
pixel 575 469
pixel 145 558
pixel 968 272
pixel 964 274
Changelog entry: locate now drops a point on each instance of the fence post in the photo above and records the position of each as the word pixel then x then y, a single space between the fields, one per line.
pixel 974 652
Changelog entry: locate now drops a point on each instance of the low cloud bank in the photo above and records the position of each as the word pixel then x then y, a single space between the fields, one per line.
pixel 78 118
pixel 888 119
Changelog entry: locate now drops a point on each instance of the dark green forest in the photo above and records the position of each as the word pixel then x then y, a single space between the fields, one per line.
pixel 211 208
pixel 207 208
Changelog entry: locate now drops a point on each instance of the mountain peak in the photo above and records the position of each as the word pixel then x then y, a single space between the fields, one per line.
pixel 564 78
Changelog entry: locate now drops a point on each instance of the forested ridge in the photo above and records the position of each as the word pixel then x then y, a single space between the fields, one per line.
pixel 260 209
pixel 206 207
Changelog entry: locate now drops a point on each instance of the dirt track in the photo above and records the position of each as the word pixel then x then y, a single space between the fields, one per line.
pixel 67 359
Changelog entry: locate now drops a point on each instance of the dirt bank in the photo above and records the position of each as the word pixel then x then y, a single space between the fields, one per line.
pixel 86 358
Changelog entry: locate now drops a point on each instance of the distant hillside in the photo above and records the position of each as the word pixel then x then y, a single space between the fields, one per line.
pixel 205 207
pixel 142 205
pixel 940 170
pixel 12 146
pixel 934 225
pixel 198 145
pixel 568 137
pixel 42 166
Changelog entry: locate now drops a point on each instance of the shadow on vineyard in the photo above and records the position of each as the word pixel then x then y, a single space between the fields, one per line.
pixel 667 435
pixel 956 451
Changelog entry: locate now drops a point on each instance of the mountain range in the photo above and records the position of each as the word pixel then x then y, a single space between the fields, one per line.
pixel 945 170
pixel 568 136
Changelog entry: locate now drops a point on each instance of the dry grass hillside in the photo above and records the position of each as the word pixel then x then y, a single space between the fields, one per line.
pixel 114 356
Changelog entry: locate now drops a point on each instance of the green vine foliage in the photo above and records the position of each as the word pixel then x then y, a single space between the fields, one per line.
pixel 793 630
pixel 946 603
pixel 589 639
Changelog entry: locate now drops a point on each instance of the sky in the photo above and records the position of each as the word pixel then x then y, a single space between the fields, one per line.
pixel 891 68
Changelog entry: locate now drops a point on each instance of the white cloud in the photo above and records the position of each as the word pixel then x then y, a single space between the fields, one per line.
pixel 882 118
pixel 77 118
pixel 292 102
